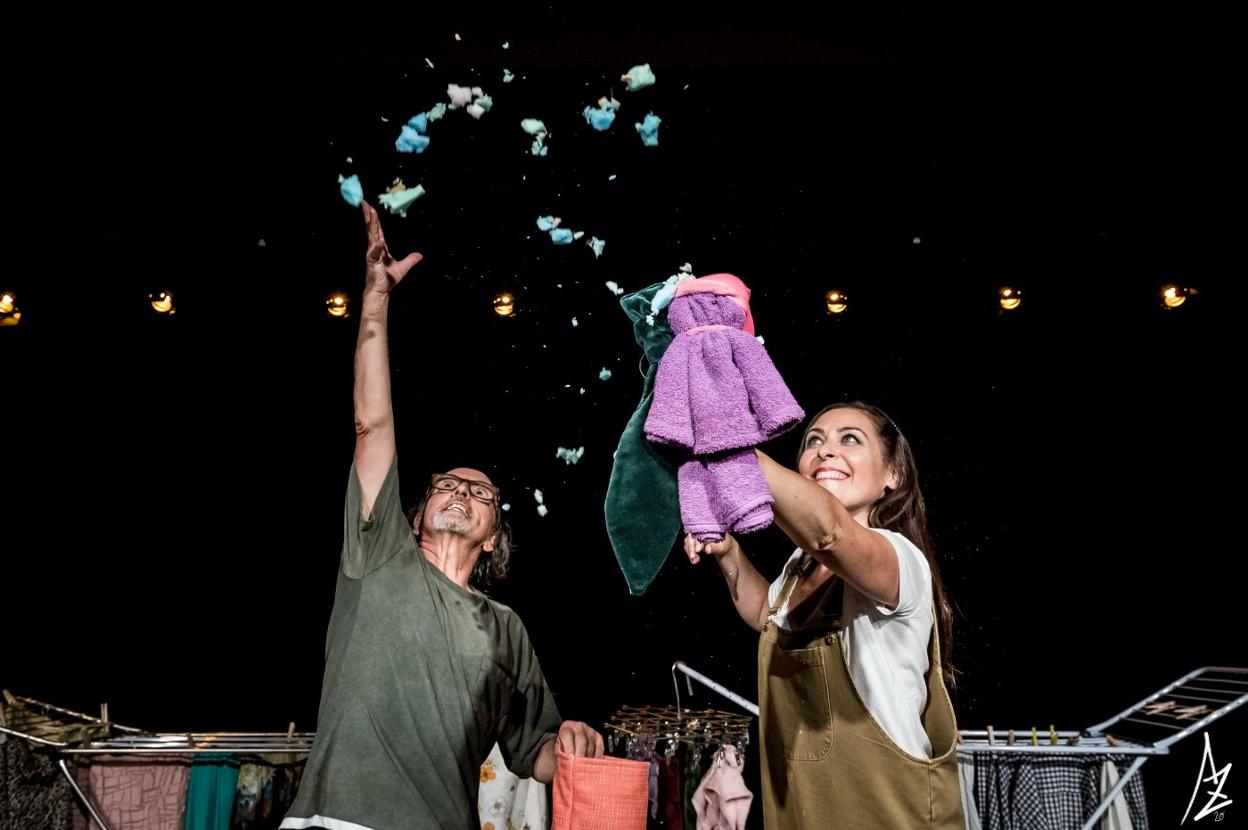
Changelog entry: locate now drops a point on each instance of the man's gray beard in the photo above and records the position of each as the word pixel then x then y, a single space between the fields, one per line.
pixel 444 521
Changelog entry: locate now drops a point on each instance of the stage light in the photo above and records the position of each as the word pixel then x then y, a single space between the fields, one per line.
pixel 504 305
pixel 336 305
pixel 1010 298
pixel 162 302
pixel 1173 295
pixel 836 301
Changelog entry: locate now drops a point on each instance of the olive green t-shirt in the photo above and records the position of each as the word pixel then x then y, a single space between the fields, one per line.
pixel 421 679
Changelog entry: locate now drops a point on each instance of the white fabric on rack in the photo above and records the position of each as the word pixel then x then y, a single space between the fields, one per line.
pixel 966 783
pixel 1118 816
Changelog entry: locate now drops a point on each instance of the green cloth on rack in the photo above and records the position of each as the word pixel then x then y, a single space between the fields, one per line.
pixel 643 507
pixel 210 793
pixel 693 777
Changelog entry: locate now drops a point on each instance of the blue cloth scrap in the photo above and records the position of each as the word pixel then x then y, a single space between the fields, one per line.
pixel 351 190
pixel 649 130
pixel 410 141
pixel 599 119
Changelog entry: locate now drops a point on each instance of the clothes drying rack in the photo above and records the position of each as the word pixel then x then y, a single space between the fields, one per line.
pixel 67 733
pixel 1144 730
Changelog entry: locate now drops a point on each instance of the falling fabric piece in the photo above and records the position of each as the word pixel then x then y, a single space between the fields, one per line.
pixel 410 141
pixel 574 325
pixel 663 298
pixel 649 130
pixel 614 288
pixel 569 456
pixel 480 106
pixel 461 96
pixel 562 236
pixel 599 119
pixel 605 374
pixel 639 77
pixel 398 201
pixel 419 123
pixel 547 223
pixel 351 190
pixel 507 76
pixel 598 245
pixel 437 112
pixel 537 129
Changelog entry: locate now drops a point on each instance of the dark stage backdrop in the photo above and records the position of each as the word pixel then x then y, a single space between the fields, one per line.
pixel 172 487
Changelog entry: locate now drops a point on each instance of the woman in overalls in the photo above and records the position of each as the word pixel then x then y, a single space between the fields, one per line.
pixel 856 725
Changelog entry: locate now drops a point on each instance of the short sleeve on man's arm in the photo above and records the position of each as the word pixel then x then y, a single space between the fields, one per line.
pixel 368 543
pixel 532 719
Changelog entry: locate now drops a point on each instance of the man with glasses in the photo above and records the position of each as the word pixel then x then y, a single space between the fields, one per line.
pixel 423 672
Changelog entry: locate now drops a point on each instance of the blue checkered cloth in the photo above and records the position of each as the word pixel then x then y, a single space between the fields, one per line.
pixel 1035 792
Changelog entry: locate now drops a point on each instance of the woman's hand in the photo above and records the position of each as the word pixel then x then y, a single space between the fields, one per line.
pixel 695 549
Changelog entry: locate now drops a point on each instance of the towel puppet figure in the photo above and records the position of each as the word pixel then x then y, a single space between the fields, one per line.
pixel 717 395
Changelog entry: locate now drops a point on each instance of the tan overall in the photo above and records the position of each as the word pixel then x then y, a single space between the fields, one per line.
pixel 827 765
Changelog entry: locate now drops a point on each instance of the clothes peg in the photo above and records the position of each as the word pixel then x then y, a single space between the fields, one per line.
pixel 1009 737
pixel 992 737
pixel 1035 741
pixel 1112 741
pixel 104 712
pixel 1052 735
pixel 1073 740
pixel 290 731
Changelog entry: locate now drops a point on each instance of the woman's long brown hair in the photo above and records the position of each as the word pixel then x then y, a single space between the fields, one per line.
pixel 902 510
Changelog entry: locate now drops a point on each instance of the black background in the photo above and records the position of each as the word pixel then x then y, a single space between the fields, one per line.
pixel 173 486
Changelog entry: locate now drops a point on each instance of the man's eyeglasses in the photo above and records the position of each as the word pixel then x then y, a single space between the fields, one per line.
pixel 479 490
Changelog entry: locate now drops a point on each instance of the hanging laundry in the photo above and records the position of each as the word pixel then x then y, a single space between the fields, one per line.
pixel 722 801
pixel 252 796
pixel 210 793
pixel 133 792
pixel 669 795
pixel 33 791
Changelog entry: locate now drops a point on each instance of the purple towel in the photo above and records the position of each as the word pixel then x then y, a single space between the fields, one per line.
pixel 723 493
pixel 717 392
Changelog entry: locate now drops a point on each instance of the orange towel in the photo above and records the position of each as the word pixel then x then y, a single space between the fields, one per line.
pixel 600 794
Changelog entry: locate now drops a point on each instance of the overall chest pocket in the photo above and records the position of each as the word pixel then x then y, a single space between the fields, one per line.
pixel 799 716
